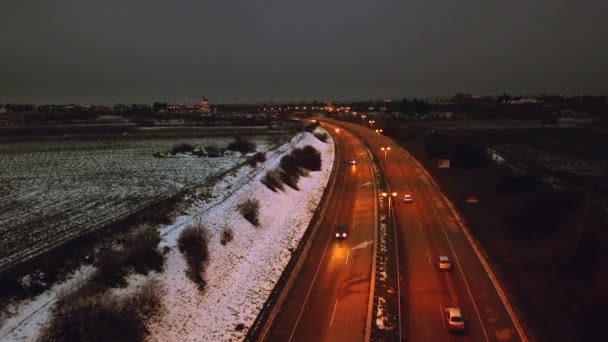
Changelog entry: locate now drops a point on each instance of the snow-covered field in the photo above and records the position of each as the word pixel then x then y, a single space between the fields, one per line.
pixel 240 274
pixel 53 191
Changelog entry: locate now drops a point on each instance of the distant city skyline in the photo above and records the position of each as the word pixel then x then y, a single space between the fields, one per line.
pixel 242 52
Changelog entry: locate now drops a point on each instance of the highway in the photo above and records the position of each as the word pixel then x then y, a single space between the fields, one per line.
pixel 330 296
pixel 426 229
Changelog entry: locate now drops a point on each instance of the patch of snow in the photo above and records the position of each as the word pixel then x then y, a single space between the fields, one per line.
pixel 241 274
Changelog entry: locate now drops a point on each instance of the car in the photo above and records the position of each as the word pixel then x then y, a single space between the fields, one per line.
pixel 407 198
pixel 341 232
pixel 444 263
pixel 454 319
pixel 352 161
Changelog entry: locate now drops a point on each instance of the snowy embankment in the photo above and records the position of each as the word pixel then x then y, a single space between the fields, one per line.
pixel 240 275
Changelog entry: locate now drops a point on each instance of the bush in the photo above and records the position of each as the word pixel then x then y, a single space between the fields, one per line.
pixel 290 180
pixel 111 270
pixel 258 157
pixel 227 236
pixel 312 126
pixel 242 145
pixel 192 243
pixel 308 158
pixel 213 151
pixel 321 136
pixel 199 152
pixel 81 316
pixel 250 208
pixel 140 252
pixel 272 180
pixel 182 148
pixel 290 165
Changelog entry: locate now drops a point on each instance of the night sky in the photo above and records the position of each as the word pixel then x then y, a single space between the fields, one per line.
pixel 110 51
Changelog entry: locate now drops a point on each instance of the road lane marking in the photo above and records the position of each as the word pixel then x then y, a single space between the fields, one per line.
pixel 354 220
pixel 365 184
pixel 441 316
pixel 333 314
pixel 420 225
pixel 459 266
pixel 476 249
pixel 347 255
pixel 362 245
pixel 314 279
pixel 429 257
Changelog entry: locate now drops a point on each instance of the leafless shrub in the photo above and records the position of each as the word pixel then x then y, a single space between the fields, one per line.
pixel 181 148
pixel 80 316
pixel 258 157
pixel 241 144
pixel 321 136
pixel 227 235
pixel 290 180
pixel 140 252
pixel 192 243
pixel 250 208
pixel 308 158
pixel 272 180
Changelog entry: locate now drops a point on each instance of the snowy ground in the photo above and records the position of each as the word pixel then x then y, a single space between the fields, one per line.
pixel 53 191
pixel 240 275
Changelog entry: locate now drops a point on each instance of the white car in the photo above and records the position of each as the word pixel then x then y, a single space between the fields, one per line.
pixel 444 263
pixel 454 319
pixel 407 198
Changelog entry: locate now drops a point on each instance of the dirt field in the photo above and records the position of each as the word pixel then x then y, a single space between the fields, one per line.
pixel 551 274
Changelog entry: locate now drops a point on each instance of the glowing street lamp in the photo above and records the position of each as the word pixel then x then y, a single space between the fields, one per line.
pixel 385 149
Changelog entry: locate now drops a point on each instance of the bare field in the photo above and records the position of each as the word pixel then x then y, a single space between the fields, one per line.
pixel 54 191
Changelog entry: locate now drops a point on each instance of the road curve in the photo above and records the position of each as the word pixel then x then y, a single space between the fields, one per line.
pixel 329 298
pixel 427 228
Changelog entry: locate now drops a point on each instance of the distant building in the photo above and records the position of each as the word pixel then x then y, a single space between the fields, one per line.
pixel 204 107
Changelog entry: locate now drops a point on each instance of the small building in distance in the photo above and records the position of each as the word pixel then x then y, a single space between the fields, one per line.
pixel 204 106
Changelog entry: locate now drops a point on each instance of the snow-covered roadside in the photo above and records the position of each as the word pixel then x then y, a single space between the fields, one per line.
pixel 241 274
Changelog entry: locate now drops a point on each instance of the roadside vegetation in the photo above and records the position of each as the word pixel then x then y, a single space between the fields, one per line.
pixel 82 316
pixel 258 157
pixel 293 166
pixel 250 209
pixel 227 235
pixel 193 244
pixel 321 136
pixel 242 145
pixel 138 253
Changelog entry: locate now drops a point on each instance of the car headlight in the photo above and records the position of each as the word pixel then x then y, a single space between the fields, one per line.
pixel 337 234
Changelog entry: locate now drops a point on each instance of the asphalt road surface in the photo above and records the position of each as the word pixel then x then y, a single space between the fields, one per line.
pixel 427 228
pixel 329 298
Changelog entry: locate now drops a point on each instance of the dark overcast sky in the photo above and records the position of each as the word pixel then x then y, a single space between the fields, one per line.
pixel 109 51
